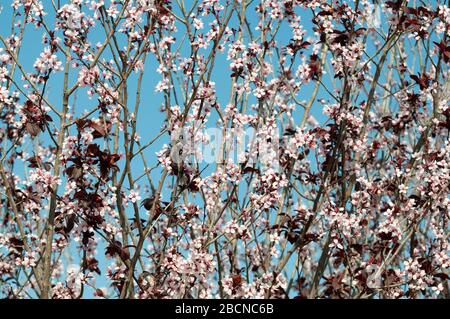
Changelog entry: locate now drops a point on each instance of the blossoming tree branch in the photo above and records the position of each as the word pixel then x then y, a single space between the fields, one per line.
pixel 224 149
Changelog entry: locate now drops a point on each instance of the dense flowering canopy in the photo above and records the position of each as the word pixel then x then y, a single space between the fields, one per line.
pixel 224 149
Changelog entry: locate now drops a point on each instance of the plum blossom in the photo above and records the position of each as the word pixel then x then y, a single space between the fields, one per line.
pixel 47 61
pixel 224 149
